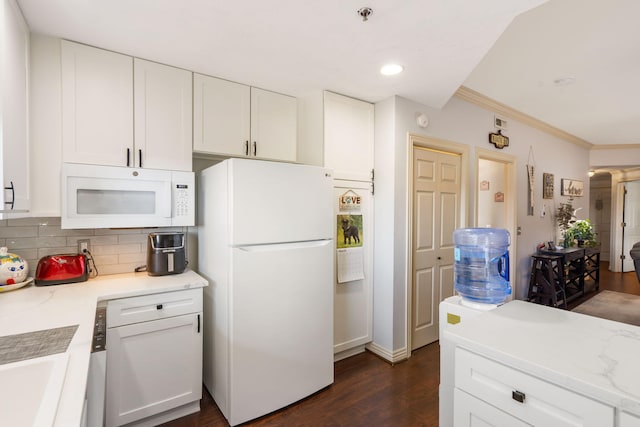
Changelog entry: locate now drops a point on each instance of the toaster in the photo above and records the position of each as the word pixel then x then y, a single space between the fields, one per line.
pixel 60 269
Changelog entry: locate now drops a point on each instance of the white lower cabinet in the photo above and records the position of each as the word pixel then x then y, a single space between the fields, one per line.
pixel 489 393
pixel 154 358
pixel 470 411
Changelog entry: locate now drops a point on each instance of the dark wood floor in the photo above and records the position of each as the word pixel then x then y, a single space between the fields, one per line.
pixel 369 391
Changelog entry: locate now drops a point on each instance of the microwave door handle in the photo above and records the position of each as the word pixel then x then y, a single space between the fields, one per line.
pixel 166 207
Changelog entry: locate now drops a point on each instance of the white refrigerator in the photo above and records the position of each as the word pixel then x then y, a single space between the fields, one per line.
pixel 265 243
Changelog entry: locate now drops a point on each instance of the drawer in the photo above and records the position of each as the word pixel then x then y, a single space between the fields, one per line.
pixel 543 403
pixel 126 311
pixel 470 411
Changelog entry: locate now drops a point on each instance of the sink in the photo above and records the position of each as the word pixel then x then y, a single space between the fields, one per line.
pixel 30 390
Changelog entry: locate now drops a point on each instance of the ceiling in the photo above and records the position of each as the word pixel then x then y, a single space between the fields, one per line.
pixel 508 50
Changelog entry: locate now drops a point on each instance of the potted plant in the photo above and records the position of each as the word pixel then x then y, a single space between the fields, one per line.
pixel 565 217
pixel 582 231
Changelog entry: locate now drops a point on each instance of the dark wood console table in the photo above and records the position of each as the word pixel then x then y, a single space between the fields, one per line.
pixel 580 274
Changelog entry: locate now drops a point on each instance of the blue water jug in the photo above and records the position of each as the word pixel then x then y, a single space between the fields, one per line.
pixel 481 268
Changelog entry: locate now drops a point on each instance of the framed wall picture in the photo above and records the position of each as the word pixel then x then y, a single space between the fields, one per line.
pixel 498 197
pixel 484 185
pixel 572 187
pixel 547 186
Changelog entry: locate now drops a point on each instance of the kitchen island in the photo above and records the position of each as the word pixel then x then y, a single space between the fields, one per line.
pixel 35 308
pixel 527 364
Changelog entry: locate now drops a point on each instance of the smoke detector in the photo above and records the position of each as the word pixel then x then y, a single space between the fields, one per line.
pixel 364 13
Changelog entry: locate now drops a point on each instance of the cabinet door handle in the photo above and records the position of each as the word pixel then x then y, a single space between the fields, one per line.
pixel 518 396
pixel 255 148
pixel 128 157
pixel 13 195
pixel 139 158
pixel 198 323
pixel 246 148
pixel 159 307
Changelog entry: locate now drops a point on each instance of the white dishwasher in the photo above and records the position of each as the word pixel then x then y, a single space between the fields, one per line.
pixel 154 362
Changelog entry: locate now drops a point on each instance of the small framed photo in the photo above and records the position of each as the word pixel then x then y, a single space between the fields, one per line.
pixel 572 187
pixel 547 186
pixel 484 185
pixel 498 197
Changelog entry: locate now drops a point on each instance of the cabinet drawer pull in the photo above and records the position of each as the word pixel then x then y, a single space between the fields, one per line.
pixel 128 157
pixel 139 158
pixel 159 307
pixel 518 396
pixel 198 323
pixel 255 148
pixel 246 148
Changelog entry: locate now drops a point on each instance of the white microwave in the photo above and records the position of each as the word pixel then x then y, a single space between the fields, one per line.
pixel 118 197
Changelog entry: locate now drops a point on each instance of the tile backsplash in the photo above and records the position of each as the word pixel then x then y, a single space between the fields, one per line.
pixel 114 250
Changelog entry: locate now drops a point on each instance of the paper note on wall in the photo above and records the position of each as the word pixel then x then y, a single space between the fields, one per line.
pixel 350 264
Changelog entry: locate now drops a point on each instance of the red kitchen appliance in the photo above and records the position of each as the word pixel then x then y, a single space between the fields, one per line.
pixel 60 269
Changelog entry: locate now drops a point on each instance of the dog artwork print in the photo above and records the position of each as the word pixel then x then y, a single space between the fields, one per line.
pixel 349 231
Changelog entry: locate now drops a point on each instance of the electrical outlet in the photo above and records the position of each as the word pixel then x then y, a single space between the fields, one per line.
pixel 83 245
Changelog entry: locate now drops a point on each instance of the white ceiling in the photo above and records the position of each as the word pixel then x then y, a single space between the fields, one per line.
pixel 300 46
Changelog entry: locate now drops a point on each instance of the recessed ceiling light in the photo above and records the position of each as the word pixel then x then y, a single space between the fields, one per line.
pixel 391 69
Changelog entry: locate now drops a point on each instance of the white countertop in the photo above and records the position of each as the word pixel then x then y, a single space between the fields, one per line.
pixel 591 356
pixel 35 308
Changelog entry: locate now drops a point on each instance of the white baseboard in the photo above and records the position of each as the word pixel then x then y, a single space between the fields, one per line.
pixel 389 355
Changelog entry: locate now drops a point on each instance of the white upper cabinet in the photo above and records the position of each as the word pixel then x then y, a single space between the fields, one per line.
pixel 14 153
pixel 348 137
pixel 163 116
pixel 99 91
pixel 231 119
pixel 97 106
pixel 273 125
pixel 221 116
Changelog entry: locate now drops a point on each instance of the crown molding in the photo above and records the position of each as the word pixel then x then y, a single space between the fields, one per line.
pixel 615 146
pixel 479 99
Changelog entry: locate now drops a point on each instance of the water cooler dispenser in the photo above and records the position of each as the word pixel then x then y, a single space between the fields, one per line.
pixel 481 280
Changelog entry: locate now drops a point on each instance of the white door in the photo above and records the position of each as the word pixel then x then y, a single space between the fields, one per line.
pixel 14 113
pixel 281 320
pixel 631 221
pixel 153 367
pixel 353 300
pixel 274 125
pixel 436 206
pixel 278 202
pixel 221 116
pixel 97 106
pixel 163 116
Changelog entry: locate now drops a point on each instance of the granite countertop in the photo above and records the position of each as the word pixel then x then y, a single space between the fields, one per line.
pixel 36 308
pixel 588 355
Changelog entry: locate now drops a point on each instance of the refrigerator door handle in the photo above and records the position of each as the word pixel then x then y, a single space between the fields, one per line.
pixel 284 246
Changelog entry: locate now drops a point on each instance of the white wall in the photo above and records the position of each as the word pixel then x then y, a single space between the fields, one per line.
pixel 463 123
pixel 616 156
pixel 383 252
